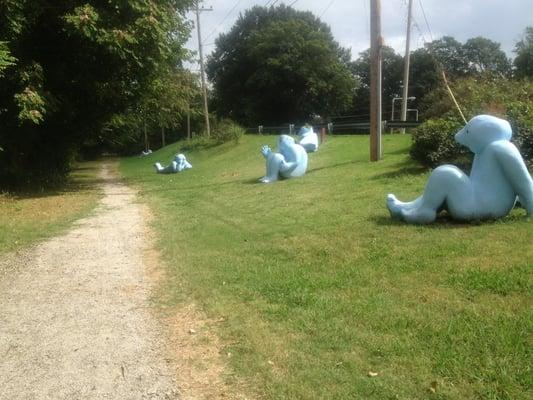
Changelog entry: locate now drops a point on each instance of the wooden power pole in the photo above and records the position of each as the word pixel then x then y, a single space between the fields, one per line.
pixel 202 72
pixel 376 44
pixel 406 65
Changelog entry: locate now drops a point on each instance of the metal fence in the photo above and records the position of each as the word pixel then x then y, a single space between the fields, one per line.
pixel 341 128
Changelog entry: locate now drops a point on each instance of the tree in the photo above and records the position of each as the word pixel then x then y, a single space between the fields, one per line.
pixel 278 65
pixel 79 64
pixel 523 61
pixel 485 56
pixel 392 75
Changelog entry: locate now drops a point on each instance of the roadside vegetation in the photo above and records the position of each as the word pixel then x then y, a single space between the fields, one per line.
pixel 321 295
pixel 28 217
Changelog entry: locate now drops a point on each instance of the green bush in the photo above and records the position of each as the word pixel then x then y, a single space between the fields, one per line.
pixel 520 115
pixel 227 130
pixel 433 142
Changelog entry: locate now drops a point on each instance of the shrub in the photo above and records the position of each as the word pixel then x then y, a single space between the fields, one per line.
pixel 227 130
pixel 433 142
pixel 520 115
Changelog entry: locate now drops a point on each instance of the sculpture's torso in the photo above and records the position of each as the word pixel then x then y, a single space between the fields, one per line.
pixel 491 194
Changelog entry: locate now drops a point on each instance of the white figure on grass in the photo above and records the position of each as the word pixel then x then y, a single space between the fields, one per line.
pixel 309 139
pixel 289 162
pixel 499 178
pixel 179 164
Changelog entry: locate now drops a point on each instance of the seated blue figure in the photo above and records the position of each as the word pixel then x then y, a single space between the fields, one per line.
pixel 289 162
pixel 179 164
pixel 309 139
pixel 499 178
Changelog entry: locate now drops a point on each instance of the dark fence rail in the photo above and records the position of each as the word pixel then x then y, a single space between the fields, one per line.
pixel 331 128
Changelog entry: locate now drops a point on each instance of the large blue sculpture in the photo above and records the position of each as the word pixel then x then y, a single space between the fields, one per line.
pixel 498 178
pixel 179 164
pixel 309 139
pixel 289 162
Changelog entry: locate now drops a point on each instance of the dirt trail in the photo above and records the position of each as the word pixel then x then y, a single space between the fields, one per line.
pixel 75 319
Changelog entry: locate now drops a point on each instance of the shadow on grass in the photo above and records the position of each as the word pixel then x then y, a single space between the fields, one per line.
pixel 407 167
pixel 445 221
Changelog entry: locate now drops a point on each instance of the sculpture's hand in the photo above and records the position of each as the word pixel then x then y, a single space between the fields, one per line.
pixel 266 150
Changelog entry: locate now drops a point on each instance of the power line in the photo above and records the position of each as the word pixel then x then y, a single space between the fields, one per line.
pixel 326 9
pixel 425 18
pixel 290 5
pixel 223 19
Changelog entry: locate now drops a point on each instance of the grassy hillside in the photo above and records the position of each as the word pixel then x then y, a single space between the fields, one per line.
pixel 318 286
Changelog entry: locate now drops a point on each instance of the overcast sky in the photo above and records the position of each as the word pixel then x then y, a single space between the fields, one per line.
pixel 503 21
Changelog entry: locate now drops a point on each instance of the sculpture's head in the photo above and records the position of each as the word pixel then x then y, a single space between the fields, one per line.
pixel 285 141
pixel 304 130
pixel 482 130
pixel 180 157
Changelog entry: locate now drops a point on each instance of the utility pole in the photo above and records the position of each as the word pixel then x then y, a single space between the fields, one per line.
pixel 202 72
pixel 376 44
pixel 406 65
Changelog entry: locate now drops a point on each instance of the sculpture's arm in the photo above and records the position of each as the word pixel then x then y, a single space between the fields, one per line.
pixel 266 150
pixel 515 170
pixel 291 159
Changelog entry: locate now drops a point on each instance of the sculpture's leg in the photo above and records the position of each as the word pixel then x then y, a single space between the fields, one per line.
pixel 273 165
pixel 447 184
pixel 170 169
pixel 396 206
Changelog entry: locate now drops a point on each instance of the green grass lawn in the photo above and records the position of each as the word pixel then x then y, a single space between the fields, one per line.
pixel 319 287
pixel 27 218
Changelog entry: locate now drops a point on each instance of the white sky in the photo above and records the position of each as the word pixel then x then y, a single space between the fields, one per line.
pixel 503 21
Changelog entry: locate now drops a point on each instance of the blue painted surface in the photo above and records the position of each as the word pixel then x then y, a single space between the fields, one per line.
pixel 289 162
pixel 499 178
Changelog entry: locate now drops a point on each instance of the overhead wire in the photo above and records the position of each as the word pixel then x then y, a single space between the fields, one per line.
pixel 436 60
pixel 326 9
pixel 223 20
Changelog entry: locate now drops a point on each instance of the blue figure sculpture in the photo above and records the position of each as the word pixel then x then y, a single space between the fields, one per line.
pixel 498 178
pixel 179 164
pixel 309 139
pixel 289 162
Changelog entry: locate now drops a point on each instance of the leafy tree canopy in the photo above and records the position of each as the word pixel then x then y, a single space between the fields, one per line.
pixel 278 65
pixel 523 61
pixel 78 64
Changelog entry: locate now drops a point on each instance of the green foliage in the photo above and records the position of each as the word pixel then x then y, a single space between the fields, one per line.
pixel 277 65
pixel 6 59
pixel 392 73
pixel 80 66
pixel 485 55
pixel 523 61
pixel 227 130
pixel 434 144
pixel 433 141
pixel 477 57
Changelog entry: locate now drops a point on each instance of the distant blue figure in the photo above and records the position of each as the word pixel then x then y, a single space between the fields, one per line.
pixel 289 162
pixel 179 164
pixel 309 139
pixel 498 178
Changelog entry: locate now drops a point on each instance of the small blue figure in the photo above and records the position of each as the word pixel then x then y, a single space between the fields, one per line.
pixel 289 162
pixel 309 139
pixel 498 178
pixel 179 164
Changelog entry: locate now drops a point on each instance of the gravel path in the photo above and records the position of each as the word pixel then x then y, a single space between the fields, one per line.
pixel 75 319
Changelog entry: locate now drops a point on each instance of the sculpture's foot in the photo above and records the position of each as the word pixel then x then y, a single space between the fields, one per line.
pixel 265 179
pixel 394 206
pixel 420 215
pixel 158 167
